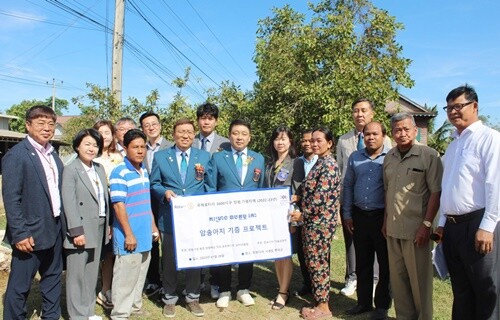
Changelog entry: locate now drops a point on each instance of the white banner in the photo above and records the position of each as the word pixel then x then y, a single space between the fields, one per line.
pixel 231 227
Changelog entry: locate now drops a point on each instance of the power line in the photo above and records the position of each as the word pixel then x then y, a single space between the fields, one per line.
pixel 157 32
pixel 220 42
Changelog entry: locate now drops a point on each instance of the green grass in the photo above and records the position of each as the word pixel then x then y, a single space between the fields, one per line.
pixel 264 288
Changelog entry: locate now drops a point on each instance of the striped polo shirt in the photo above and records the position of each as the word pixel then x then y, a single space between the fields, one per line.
pixel 131 187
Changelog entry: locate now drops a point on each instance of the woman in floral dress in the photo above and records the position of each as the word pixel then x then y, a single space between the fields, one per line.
pixel 319 195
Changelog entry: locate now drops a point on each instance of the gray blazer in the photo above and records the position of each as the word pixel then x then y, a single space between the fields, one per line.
pixel 290 174
pixel 219 143
pixel 81 206
pixel 164 144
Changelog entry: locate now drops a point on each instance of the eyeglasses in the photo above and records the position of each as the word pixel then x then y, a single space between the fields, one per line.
pixel 184 132
pixel 151 125
pixel 457 107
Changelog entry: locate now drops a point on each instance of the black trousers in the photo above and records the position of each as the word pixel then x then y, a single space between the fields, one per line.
pixel 222 276
pixel 475 277
pixel 153 276
pixel 368 240
pixel 306 284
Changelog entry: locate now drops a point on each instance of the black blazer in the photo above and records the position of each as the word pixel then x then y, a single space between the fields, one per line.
pixel 26 197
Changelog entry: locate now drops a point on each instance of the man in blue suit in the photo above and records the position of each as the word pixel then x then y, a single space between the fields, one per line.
pixel 32 176
pixel 231 170
pixel 179 170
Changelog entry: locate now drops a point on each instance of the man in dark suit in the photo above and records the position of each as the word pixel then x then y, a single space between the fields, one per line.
pixel 179 170
pixel 207 139
pixel 151 126
pixel 32 176
pixel 231 170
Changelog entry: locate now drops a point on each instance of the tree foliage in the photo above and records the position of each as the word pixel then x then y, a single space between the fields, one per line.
pixel 100 104
pixel 19 110
pixel 310 71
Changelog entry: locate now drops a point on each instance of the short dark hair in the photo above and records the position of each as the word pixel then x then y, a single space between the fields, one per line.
pixel 109 124
pixel 363 100
pixel 40 111
pixel 327 132
pixel 308 130
pixel 207 109
pixel 183 121
pixel 466 90
pixel 148 114
pixel 276 133
pixel 384 131
pixel 240 122
pixel 90 132
pixel 133 134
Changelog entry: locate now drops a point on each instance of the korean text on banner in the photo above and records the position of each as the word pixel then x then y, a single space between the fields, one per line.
pixel 231 227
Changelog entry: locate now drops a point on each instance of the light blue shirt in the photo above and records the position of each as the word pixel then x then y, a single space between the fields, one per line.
pixel 308 164
pixel 363 185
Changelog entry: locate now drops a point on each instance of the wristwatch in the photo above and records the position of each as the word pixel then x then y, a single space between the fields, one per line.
pixel 426 223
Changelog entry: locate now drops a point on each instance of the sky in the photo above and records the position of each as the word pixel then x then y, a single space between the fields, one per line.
pixel 44 45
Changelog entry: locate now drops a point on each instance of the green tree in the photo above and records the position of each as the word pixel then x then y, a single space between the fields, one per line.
pixel 19 110
pixel 310 71
pixel 439 138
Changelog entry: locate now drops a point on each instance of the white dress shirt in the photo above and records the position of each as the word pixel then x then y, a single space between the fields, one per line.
pixel 471 177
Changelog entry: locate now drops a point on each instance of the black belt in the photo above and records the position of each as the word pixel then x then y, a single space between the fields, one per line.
pixel 464 217
pixel 368 213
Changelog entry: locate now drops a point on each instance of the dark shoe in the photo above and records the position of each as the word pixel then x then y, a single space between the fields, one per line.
pixel 195 308
pixel 359 309
pixel 151 289
pixel 302 292
pixel 379 314
pixel 278 306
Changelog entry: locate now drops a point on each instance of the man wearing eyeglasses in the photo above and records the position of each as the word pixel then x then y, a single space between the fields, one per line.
pixel 31 189
pixel 121 127
pixel 151 126
pixel 468 223
pixel 178 171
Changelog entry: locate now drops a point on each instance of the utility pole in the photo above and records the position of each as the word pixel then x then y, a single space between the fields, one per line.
pixel 116 82
pixel 54 93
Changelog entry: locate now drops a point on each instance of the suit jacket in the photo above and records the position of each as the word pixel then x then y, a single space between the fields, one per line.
pixel 347 144
pixel 219 143
pixel 81 205
pixel 26 197
pixel 291 174
pixel 165 176
pixel 164 144
pixel 224 175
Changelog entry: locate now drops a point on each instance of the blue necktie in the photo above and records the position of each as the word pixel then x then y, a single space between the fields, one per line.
pixel 361 143
pixel 204 144
pixel 239 165
pixel 184 166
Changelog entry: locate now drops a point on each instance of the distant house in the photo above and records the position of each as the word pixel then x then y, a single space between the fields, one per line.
pixel 422 115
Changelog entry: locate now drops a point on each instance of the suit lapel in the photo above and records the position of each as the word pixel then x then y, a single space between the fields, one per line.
pixel 173 165
pixel 37 163
pixel 83 175
pixel 251 166
pixel 230 163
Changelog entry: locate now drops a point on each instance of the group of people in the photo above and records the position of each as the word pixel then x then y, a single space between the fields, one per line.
pixel 109 210
pixel 391 197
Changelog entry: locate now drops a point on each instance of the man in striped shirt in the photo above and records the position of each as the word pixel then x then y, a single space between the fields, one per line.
pixel 133 227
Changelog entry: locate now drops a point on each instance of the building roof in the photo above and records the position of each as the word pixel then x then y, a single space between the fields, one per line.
pixel 404 104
